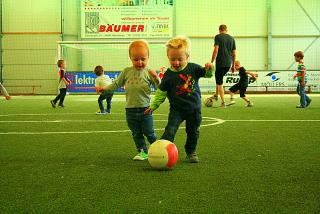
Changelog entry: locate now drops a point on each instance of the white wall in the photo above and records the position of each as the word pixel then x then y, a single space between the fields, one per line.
pixel 30 58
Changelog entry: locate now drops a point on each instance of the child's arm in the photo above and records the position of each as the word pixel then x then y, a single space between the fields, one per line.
pixel 154 78
pixel 4 92
pixel 159 98
pixel 303 83
pixel 253 75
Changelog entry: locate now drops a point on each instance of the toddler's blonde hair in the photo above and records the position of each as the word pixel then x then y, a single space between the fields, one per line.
pixel 179 42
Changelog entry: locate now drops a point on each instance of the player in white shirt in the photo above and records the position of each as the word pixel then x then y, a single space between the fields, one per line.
pixel 103 80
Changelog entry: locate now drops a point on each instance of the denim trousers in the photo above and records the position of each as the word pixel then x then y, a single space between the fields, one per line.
pixel 108 98
pixel 140 125
pixel 302 93
pixel 193 120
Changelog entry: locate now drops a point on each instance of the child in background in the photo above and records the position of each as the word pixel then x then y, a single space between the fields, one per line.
pixel 180 85
pixel 137 80
pixel 63 84
pixel 241 85
pixel 4 92
pixel 103 80
pixel 162 71
pixel 302 78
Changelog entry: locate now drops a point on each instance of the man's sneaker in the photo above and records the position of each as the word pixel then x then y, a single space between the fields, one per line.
pixel 108 111
pixel 141 156
pixel 214 97
pixel 61 105
pixel 223 105
pixel 52 104
pixel 250 104
pixel 7 97
pixel 101 112
pixel 192 158
pixel 308 102
pixel 232 102
pixel 300 106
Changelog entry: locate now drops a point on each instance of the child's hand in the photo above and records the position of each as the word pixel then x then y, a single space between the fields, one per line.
pixel 148 111
pixel 294 77
pixel 153 73
pixel 208 66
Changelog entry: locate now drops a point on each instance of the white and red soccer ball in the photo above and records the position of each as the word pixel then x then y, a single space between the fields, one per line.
pixel 162 155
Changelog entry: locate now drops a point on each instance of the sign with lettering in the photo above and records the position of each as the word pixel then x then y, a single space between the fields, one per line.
pixel 126 19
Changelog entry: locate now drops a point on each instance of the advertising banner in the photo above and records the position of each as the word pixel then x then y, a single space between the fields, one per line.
pixel 126 19
pixel 267 81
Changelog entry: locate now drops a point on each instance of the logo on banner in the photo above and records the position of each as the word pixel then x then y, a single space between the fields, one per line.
pixel 273 76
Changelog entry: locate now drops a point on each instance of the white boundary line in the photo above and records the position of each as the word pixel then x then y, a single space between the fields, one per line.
pixel 75 121
pixel 272 120
pixel 206 119
pixel 216 121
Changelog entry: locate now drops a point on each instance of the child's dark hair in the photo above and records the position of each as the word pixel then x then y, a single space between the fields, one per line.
pixel 60 62
pixel 98 70
pixel 299 54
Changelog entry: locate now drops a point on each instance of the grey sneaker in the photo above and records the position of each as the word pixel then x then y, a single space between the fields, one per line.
pixel 52 104
pixel 232 102
pixel 214 97
pixel 101 113
pixel 192 158
pixel 250 104
pixel 308 102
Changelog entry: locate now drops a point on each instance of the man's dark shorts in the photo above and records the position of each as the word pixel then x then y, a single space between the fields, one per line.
pixel 219 74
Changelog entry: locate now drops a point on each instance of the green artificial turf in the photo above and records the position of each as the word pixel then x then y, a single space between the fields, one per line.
pixel 264 159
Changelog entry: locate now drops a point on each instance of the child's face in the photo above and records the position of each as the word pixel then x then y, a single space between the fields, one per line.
pixel 139 57
pixel 297 59
pixel 178 58
pixel 63 66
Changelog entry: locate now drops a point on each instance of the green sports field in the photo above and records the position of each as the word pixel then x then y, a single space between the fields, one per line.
pixel 264 159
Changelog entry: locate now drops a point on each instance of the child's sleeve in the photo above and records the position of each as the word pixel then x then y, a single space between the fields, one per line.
pixel 159 98
pixel 202 72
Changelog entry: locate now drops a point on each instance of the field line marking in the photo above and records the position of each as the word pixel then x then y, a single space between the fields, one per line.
pixel 214 121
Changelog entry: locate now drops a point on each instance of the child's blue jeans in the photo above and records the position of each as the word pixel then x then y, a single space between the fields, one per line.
pixel 193 120
pixel 140 125
pixel 105 96
pixel 303 96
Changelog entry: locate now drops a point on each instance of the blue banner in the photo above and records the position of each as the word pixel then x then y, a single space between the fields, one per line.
pixel 85 81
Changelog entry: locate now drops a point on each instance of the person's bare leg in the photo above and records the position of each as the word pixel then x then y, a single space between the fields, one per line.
pixel 221 93
pixel 249 103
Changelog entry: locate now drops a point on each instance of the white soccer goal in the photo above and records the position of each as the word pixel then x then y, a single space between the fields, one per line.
pixel 112 55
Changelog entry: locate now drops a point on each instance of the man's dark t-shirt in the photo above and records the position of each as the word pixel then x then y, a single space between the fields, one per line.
pixel 226 45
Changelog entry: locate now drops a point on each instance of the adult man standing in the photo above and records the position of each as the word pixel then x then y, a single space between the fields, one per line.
pixel 224 54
